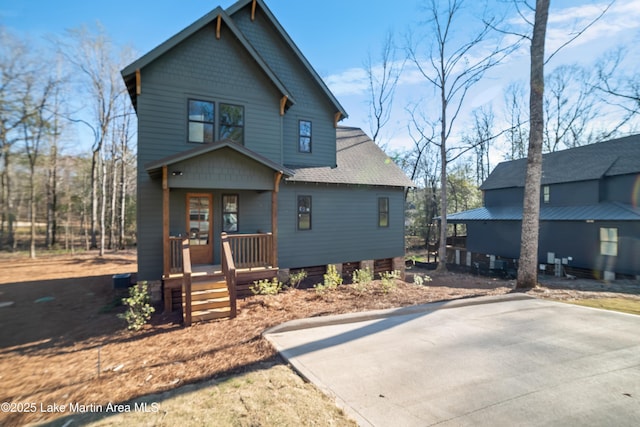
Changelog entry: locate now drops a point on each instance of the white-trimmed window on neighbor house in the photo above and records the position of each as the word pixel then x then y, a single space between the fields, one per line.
pixel 201 121
pixel 232 122
pixel 383 211
pixel 609 241
pixel 304 136
pixel 304 212
pixel 546 194
pixel 230 210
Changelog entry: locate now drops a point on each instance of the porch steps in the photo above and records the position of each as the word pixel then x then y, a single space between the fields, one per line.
pixel 209 300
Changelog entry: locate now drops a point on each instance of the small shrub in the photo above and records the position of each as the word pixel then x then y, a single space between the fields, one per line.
pixel 138 308
pixel 388 279
pixel 421 280
pixel 361 280
pixel 331 281
pixel 266 287
pixel 296 278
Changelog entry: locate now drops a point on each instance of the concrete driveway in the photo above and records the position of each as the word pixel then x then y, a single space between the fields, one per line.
pixel 491 361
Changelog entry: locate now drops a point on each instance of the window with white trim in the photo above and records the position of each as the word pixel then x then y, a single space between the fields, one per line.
pixel 609 241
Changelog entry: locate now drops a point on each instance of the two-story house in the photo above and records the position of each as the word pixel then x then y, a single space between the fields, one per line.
pixel 589 211
pixel 239 141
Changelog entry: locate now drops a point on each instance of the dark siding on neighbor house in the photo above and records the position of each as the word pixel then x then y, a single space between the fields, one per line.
pixel 623 188
pixel 572 194
pixel 503 197
pixel 311 103
pixel 576 239
pixel 204 68
pixel 344 225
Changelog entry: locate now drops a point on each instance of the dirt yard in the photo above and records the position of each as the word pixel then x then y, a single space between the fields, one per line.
pixel 61 341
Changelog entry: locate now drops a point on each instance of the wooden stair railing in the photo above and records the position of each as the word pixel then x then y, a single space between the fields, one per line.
pixel 230 273
pixel 186 282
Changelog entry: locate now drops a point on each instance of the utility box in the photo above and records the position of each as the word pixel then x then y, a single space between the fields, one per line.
pixel 121 281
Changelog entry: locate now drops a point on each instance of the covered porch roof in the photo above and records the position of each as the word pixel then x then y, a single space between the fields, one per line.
pixel 223 164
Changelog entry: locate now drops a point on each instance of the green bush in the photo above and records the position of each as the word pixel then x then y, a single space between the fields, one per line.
pixel 138 305
pixel 388 279
pixel 332 280
pixel 420 280
pixel 266 287
pixel 361 280
pixel 296 278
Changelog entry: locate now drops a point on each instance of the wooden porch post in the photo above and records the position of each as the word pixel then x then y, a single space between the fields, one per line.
pixel 165 222
pixel 274 218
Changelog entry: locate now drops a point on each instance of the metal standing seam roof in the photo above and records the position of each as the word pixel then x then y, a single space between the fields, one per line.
pixel 609 211
pixel 359 161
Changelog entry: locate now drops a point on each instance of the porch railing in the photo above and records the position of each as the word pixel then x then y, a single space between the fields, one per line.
pixel 252 250
pixel 230 274
pixel 247 251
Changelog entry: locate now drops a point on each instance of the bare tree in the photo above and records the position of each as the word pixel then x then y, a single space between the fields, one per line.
pixel 13 67
pixel 528 264
pixel 480 139
pixel 453 67
pixel 94 57
pixel 617 89
pixel 518 120
pixel 382 78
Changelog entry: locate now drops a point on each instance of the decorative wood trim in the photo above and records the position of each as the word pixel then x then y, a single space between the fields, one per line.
pixel 253 10
pixel 166 248
pixel 336 119
pixel 283 103
pixel 138 82
pixel 274 218
pixel 218 27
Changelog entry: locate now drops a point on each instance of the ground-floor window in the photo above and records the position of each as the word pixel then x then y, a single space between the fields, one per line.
pixel 383 211
pixel 304 212
pixel 609 241
pixel 230 211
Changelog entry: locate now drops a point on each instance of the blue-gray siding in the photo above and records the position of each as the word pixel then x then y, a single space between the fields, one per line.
pixel 344 225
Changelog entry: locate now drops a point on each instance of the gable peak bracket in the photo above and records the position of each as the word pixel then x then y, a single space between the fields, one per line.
pixel 138 82
pixel 283 103
pixel 253 10
pixel 336 118
pixel 218 26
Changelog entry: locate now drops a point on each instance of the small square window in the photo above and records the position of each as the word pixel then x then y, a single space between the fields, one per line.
pixel 304 141
pixel 304 212
pixel 230 213
pixel 383 212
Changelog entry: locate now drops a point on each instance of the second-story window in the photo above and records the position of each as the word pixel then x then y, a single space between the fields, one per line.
pixel 546 194
pixel 232 122
pixel 201 121
pixel 383 211
pixel 304 141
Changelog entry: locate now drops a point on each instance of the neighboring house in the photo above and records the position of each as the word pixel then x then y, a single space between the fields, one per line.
pixel 238 134
pixel 589 215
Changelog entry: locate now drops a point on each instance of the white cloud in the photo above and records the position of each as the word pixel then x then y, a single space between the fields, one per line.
pixel 349 82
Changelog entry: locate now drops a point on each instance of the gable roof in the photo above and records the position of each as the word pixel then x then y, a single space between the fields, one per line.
pixel 155 166
pixel 589 162
pixel 240 4
pixel 359 161
pixel 129 72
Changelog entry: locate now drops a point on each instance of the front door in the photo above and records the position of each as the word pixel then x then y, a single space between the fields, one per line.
pixel 200 227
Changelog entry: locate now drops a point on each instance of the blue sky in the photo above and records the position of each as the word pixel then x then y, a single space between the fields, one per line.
pixel 335 36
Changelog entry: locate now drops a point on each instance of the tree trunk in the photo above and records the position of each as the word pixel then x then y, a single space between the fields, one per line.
pixel 8 212
pixel 94 198
pixel 103 180
pixel 123 193
pixel 32 213
pixel 528 265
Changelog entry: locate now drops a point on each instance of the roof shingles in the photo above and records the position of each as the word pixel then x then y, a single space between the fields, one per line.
pixel 359 162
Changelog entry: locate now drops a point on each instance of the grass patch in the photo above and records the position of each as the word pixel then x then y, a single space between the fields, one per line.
pixel 625 305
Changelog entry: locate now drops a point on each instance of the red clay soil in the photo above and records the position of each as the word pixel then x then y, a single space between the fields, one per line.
pixel 61 341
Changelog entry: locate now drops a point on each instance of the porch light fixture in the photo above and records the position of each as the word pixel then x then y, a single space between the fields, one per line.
pixel 176 173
